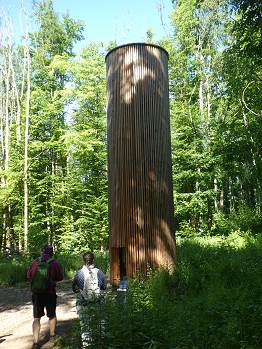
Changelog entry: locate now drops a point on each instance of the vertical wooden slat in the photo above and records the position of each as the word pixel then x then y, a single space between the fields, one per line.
pixel 141 213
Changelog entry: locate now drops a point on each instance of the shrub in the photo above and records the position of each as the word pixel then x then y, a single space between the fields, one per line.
pixel 213 300
pixel 244 219
pixel 12 271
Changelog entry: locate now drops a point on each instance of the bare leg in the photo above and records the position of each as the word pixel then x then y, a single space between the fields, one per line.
pixel 52 326
pixel 36 329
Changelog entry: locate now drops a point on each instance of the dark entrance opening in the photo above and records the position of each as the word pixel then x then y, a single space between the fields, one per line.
pixel 122 262
pixel 117 264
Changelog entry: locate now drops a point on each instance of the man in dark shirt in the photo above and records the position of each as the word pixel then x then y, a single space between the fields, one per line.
pixel 88 284
pixel 46 300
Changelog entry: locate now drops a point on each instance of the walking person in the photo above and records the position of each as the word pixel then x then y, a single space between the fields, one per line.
pixel 43 273
pixel 88 284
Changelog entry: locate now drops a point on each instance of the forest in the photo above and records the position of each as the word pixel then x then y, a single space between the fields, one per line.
pixel 54 184
pixel 53 126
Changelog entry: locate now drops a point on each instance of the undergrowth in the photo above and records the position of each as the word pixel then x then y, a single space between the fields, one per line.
pixel 213 300
pixel 13 269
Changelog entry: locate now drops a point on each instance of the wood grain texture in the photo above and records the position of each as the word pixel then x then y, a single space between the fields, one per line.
pixel 141 211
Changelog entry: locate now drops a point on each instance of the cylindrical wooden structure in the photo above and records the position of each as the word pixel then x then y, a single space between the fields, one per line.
pixel 141 212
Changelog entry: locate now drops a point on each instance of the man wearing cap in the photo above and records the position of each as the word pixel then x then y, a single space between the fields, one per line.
pixel 45 300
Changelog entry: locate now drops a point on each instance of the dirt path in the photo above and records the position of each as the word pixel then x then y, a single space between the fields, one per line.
pixel 16 318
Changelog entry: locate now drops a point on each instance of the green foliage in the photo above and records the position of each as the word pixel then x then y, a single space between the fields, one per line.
pixel 244 219
pixel 149 36
pixel 66 175
pixel 73 262
pixel 247 27
pixel 55 36
pixel 74 335
pixel 13 269
pixel 215 108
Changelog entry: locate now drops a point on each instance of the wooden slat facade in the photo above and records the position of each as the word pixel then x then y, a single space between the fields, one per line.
pixel 141 211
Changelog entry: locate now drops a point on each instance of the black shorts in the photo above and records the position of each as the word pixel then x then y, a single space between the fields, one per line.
pixel 44 300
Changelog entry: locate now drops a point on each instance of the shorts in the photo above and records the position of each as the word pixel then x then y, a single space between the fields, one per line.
pixel 44 300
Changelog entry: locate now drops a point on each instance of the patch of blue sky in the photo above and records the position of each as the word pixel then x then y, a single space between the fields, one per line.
pixel 122 21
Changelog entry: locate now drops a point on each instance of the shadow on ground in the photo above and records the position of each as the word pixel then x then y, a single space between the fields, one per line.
pixel 14 298
pixel 16 316
pixel 26 342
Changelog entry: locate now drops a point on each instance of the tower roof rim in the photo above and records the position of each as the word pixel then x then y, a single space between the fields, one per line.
pixel 136 44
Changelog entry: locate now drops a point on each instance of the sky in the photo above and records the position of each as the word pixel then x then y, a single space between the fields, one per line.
pixel 122 20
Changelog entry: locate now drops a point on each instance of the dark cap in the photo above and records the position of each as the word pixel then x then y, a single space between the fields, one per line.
pixel 48 249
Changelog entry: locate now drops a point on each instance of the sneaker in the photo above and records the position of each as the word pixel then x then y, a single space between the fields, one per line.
pixel 52 338
pixel 36 346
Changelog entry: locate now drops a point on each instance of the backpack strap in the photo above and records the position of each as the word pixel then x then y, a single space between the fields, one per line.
pixel 39 260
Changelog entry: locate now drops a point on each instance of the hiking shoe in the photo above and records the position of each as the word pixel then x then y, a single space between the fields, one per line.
pixel 36 346
pixel 52 338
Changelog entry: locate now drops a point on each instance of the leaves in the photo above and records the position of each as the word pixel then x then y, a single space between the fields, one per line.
pixel 215 107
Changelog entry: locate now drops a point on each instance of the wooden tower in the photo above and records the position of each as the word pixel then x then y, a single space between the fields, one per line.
pixel 141 211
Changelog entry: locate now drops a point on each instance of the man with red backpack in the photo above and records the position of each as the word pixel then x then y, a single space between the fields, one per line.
pixel 43 273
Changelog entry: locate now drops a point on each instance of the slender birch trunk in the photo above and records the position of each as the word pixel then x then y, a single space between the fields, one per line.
pixel 216 191
pixel 2 150
pixel 27 114
pixel 17 108
pixel 7 209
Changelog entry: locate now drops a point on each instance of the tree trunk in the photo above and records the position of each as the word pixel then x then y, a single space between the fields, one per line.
pixel 7 211
pixel 216 191
pixel 18 108
pixel 27 114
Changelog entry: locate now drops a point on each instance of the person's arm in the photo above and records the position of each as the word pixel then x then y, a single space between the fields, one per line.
pixel 77 282
pixel 75 287
pixel 31 270
pixel 101 280
pixel 59 272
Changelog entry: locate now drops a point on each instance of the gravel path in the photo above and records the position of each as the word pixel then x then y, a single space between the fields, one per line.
pixel 16 315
